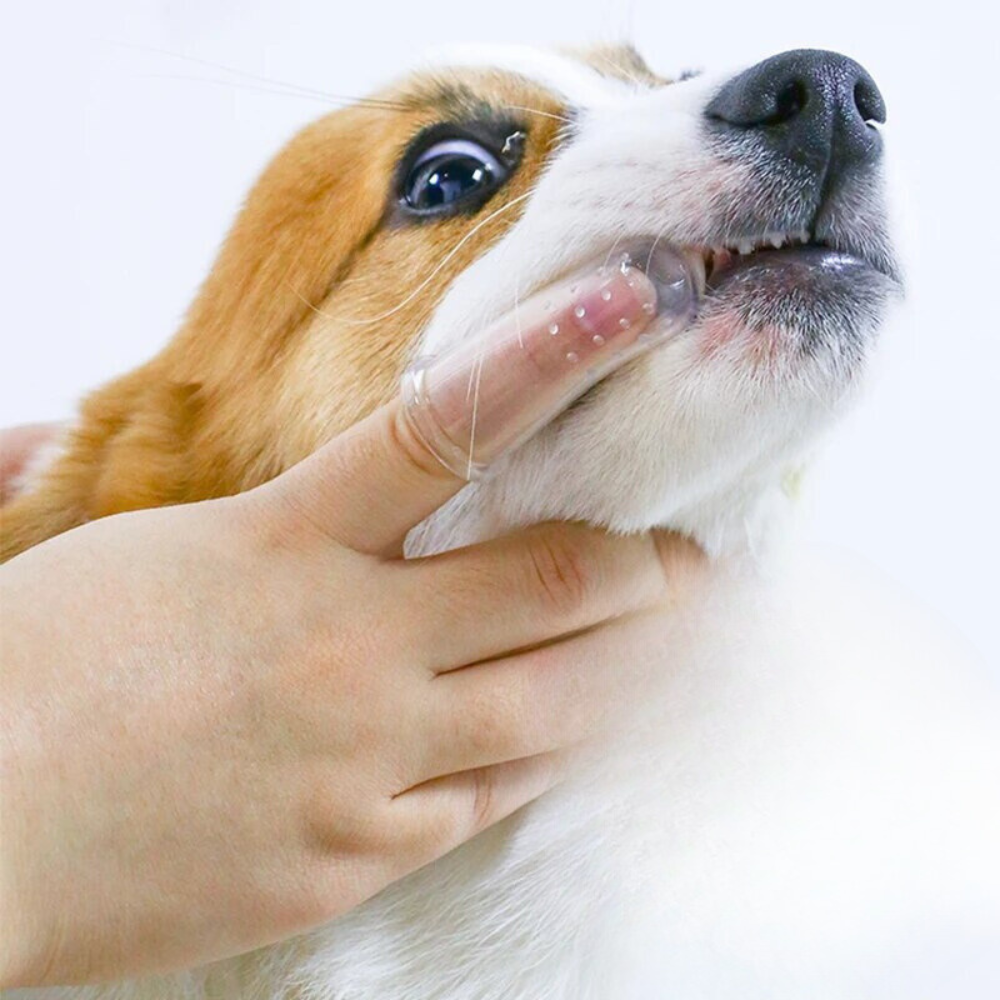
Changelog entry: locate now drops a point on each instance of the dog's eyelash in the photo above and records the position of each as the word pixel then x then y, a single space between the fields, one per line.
pixel 689 74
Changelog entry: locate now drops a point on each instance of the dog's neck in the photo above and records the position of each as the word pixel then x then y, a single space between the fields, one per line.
pixel 741 524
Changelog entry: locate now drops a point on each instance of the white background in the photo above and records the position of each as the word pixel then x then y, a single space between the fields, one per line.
pixel 124 165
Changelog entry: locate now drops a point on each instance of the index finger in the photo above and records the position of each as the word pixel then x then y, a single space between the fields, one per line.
pixel 461 410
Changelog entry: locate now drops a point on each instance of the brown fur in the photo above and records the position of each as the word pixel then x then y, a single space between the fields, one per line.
pixel 278 352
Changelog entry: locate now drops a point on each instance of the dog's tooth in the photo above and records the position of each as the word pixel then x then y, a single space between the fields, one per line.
pixel 699 262
pixel 777 241
pixel 744 246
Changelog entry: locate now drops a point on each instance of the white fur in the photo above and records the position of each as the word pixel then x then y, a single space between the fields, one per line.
pixel 635 170
pixel 804 797
pixel 569 78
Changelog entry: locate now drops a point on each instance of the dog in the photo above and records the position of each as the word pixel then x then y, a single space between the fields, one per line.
pixel 692 862
pixel 336 272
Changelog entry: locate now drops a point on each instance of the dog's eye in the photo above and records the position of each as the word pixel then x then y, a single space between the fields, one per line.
pixel 450 175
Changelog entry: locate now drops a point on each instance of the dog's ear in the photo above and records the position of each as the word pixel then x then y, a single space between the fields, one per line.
pixel 169 431
pixel 619 60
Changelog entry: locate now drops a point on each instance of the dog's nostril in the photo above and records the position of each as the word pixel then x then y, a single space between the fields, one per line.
pixel 811 107
pixel 789 102
pixel 869 102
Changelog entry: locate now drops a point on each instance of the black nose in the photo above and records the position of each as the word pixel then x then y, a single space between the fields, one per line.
pixel 812 107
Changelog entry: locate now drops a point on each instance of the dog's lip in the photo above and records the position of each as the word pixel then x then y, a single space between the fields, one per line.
pixel 712 263
pixel 721 258
pixel 802 263
pixel 726 258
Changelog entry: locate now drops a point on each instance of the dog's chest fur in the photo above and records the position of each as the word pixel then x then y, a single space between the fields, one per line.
pixel 752 836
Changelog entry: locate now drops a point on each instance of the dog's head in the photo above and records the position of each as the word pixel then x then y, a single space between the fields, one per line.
pixel 404 223
pixel 774 176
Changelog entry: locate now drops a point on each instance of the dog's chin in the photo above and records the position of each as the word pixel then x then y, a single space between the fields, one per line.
pixel 791 309
pixel 699 435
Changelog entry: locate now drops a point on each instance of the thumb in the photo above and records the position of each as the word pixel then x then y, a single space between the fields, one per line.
pixel 462 410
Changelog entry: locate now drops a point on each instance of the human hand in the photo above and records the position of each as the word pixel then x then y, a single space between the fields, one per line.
pixel 229 722
pixel 18 448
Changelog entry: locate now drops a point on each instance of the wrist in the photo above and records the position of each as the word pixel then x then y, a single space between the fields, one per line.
pixel 22 961
pixel 26 958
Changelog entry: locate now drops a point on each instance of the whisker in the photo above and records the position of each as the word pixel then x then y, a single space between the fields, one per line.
pixel 538 111
pixel 451 253
pixel 481 359
pixel 628 74
pixel 236 85
pixel 471 381
pixel 475 418
pixel 302 298
pixel 565 134
pixel 312 91
pixel 517 314
pixel 614 247
pixel 652 249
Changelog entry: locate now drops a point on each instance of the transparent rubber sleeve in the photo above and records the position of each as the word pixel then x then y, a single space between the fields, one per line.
pixel 493 391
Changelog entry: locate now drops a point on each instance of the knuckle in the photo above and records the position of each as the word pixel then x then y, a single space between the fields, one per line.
pixel 494 725
pixel 328 826
pixel 682 567
pixel 275 519
pixel 404 440
pixel 563 573
pixel 407 840
pixel 437 833
pixel 251 519
pixel 482 798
